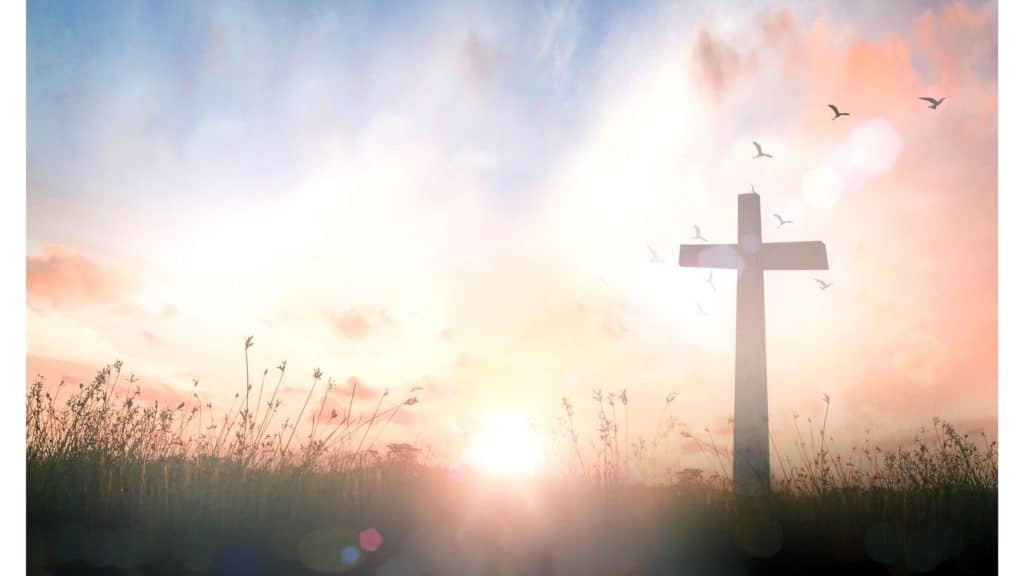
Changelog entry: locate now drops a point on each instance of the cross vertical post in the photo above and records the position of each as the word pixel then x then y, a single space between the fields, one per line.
pixel 750 257
pixel 750 463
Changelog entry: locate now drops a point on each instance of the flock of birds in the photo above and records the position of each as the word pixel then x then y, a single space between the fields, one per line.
pixel 933 104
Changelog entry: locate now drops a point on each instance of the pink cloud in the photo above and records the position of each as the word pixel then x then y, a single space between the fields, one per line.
pixel 342 392
pixel 362 391
pixel 63 278
pixel 778 29
pixel 332 411
pixel 356 324
pixel 958 41
pixel 151 338
pixel 54 370
pixel 405 417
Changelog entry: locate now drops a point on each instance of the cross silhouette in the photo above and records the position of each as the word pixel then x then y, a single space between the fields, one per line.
pixel 750 258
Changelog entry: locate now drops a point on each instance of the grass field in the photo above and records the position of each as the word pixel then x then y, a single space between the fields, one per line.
pixel 118 487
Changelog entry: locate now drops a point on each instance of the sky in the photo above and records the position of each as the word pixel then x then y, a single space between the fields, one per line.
pixel 463 197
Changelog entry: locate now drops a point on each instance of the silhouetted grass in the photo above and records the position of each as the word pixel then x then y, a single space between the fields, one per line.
pixel 115 486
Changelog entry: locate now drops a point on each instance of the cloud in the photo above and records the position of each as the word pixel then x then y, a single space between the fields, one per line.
pixel 63 278
pixel 170 311
pixel 405 417
pixel 357 324
pixel 778 29
pixel 478 58
pixel 162 393
pixel 362 391
pixel 562 30
pixel 960 42
pixel 151 338
pixel 334 410
pixel 716 64
pixel 55 370
pixel 340 392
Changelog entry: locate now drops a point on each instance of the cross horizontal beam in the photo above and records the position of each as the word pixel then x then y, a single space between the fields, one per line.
pixel 794 256
pixel 710 256
pixel 772 256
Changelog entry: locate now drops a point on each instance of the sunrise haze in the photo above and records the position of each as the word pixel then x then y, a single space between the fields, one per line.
pixel 462 198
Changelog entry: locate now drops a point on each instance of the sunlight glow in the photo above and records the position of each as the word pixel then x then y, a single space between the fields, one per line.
pixel 505 446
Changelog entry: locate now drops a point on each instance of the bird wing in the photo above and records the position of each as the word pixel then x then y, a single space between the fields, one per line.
pixel 653 253
pixel 696 231
pixel 779 218
pixel 820 282
pixel 758 146
pixel 927 99
pixel 834 109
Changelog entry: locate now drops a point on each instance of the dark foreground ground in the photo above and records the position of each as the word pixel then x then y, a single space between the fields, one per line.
pixel 220 521
pixel 115 487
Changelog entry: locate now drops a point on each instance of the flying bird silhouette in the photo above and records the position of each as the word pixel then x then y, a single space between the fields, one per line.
pixel 655 259
pixel 696 234
pixel 837 112
pixel 711 280
pixel 782 221
pixel 933 103
pixel 822 284
pixel 760 153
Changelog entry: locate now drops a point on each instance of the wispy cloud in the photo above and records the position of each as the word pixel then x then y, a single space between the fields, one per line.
pixel 562 29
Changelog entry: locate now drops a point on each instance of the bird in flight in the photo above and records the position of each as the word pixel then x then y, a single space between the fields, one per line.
pixel 837 112
pixel 655 259
pixel 696 234
pixel 760 153
pixel 711 280
pixel 700 310
pixel 933 103
pixel 822 284
pixel 782 221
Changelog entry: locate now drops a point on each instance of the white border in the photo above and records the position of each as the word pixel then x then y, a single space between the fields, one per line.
pixel 1010 287
pixel 12 298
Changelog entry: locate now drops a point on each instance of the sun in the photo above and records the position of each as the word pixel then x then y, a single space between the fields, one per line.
pixel 505 446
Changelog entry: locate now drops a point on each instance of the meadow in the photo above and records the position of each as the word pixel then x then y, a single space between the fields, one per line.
pixel 116 485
